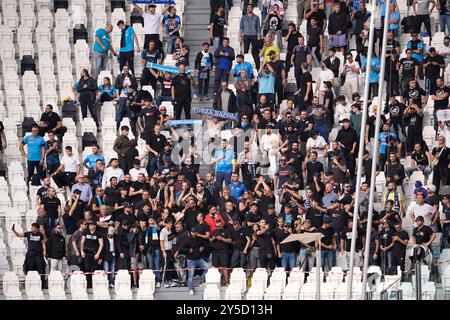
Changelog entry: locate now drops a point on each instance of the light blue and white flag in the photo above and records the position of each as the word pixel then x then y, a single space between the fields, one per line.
pixel 216 113
pixel 170 69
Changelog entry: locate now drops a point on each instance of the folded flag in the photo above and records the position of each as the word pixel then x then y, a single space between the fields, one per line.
pixel 170 69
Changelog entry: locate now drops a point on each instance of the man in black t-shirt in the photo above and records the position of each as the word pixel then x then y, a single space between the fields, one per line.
pixel 433 64
pixel 420 161
pixel 34 259
pixel 240 243
pixel 315 40
pixel 220 241
pixel 304 94
pixel 327 243
pixel 410 69
pixel 50 121
pixel 316 13
pixel 216 27
pixel 422 236
pixel 181 93
pixel 346 240
pixel 285 251
pixel 413 95
pixel 400 239
pixel 414 123
pixel 148 118
pixel 155 142
pixel 314 168
pixel 441 98
pixel 91 249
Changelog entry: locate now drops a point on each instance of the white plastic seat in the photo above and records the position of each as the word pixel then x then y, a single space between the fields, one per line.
pixel 88 125
pixel 211 292
pixel 291 291
pixel 212 277
pixel 78 286
pixel 56 286
pixel 123 283
pixel 11 18
pixel 7 51
pixel 45 18
pixel 233 292
pixel 6 33
pixel 255 293
pixel 100 286
pixel 11 286
pixel 260 278
pixel 20 201
pixel 238 278
pixel 146 285
pixel 33 286
pixel 62 19
pixel 61 35
pixel 116 15
pixel 43 34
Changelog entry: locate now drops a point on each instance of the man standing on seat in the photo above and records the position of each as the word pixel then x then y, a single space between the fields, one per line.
pixel 102 45
pixel 127 41
pixel 35 155
pixel 87 89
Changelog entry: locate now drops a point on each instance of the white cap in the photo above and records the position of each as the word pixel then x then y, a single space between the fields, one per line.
pixel 432 187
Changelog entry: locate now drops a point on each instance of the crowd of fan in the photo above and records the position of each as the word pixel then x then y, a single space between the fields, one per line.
pixel 166 216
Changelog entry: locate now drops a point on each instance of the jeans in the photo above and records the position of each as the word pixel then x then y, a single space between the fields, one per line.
pixel 101 60
pixel 330 256
pixel 203 85
pixel 216 42
pixel 171 43
pixel 386 262
pixel 191 265
pixel 425 169
pixel 160 99
pixel 322 130
pixel 56 264
pixel 221 75
pixel 222 177
pixel 2 166
pixel 154 263
pixel 31 165
pixel 444 23
pixel 288 260
pixel 152 165
pixel 121 111
pixel 87 103
pixel 238 259
pixel 110 267
pixel 306 259
pixel 123 164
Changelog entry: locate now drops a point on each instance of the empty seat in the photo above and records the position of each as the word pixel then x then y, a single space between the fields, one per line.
pixel 291 291
pixel 100 286
pixel 123 284
pixel 33 286
pixel 62 19
pixel 11 286
pixel 146 285
pixel 255 293
pixel 212 277
pixel 45 18
pixel 234 292
pixel 238 278
pixel 56 286
pixel 78 286
pixel 10 18
pixel 211 292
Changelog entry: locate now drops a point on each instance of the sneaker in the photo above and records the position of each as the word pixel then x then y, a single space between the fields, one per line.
pixel 191 292
pixel 195 96
pixel 111 286
pixel 207 98
pixel 166 285
pixel 158 284
pixel 173 284
pixel 200 99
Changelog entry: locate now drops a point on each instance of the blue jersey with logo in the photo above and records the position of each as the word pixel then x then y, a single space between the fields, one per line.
pixel 105 39
pixel 34 146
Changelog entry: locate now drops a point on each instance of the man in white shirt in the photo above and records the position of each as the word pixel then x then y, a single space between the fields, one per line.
pixel 422 209
pixel 343 108
pixel 444 49
pixel 351 71
pixel 325 75
pixel 136 170
pixel 152 23
pixel 68 169
pixel 113 170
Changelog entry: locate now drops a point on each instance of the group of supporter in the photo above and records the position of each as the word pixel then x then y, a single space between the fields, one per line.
pixel 289 165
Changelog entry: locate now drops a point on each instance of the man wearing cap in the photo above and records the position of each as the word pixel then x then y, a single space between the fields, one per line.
pixel 152 23
pixel 422 237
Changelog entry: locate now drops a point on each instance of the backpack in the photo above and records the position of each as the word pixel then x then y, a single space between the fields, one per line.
pixel 88 140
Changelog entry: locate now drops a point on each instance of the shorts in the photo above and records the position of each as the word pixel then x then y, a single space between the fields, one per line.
pixel 220 259
pixel 339 41
pixel 135 265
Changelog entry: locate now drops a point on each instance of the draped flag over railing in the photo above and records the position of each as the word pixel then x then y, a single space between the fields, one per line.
pixel 216 113
pixel 166 68
pixel 153 2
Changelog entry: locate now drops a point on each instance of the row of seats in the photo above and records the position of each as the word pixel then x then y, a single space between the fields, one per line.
pixel 77 286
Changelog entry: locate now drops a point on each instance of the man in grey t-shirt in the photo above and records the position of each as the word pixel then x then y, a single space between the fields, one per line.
pixel 166 250
pixel 422 11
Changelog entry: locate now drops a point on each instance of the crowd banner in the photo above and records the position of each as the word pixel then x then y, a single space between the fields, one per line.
pixel 216 113
pixel 166 68
pixel 443 115
pixel 153 2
